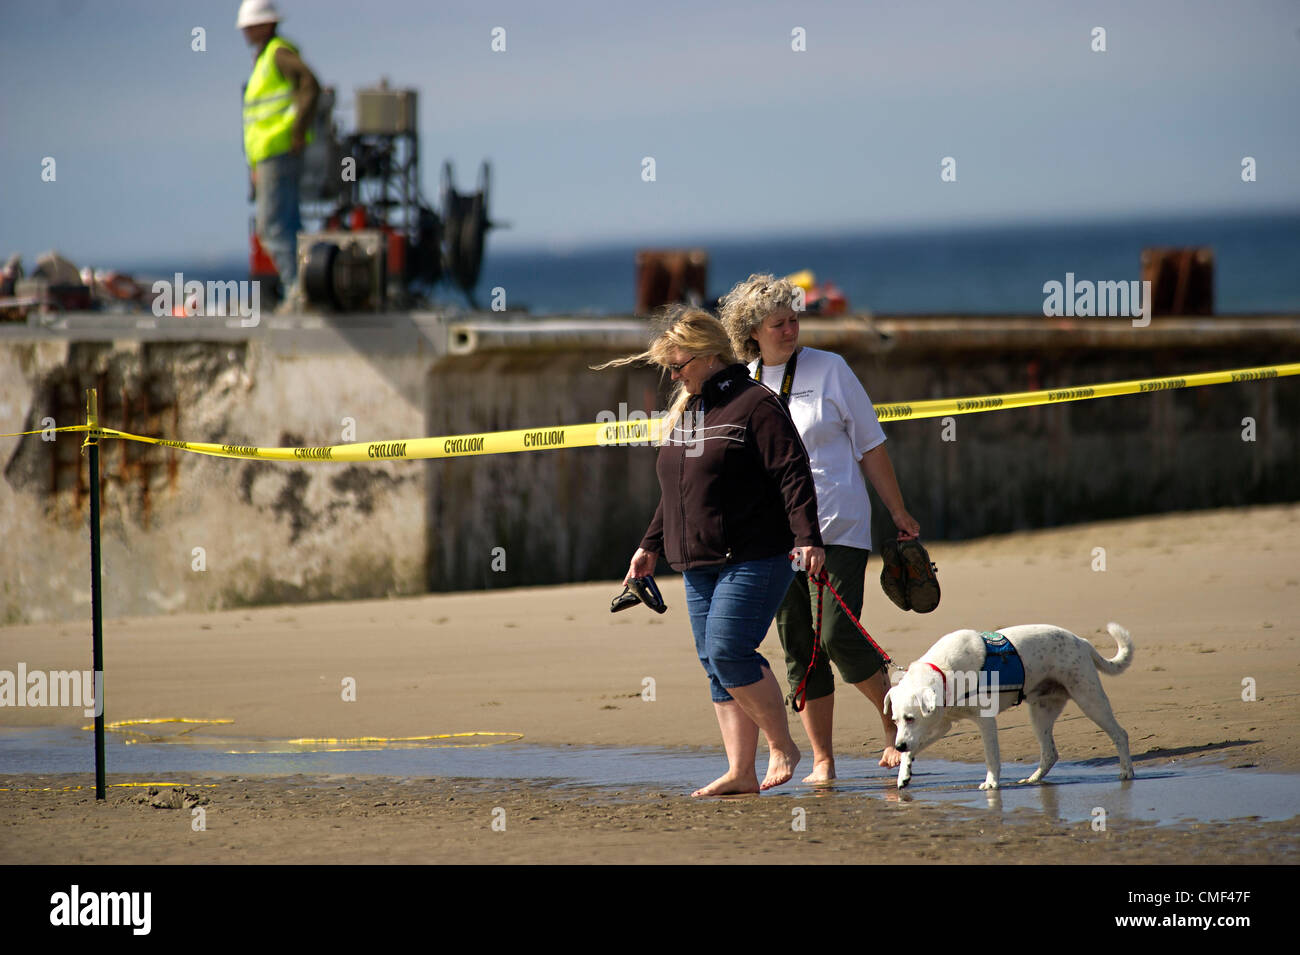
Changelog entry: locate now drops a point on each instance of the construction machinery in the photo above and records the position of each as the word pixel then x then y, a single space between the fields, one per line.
pixel 370 240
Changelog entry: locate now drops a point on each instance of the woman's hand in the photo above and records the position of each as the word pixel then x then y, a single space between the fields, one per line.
pixel 811 559
pixel 643 565
pixel 906 524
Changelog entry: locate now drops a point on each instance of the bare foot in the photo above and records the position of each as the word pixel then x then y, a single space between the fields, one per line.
pixel 780 766
pixel 823 772
pixel 729 785
pixel 891 757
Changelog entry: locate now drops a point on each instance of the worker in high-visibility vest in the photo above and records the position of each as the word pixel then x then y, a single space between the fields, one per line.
pixel 279 107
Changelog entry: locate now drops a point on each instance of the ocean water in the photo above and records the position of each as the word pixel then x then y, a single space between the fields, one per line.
pixel 986 270
pixel 966 271
pixel 1165 791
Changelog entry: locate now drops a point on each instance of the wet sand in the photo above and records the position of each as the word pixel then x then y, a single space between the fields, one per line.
pixel 359 820
pixel 1210 599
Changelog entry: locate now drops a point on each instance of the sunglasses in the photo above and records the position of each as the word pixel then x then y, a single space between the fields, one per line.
pixel 677 369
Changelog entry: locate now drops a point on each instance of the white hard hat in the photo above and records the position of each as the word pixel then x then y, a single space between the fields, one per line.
pixel 254 12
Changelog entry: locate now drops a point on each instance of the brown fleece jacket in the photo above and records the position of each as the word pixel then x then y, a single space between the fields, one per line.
pixel 735 479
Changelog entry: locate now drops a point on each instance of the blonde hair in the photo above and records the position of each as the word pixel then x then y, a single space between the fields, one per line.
pixel 744 308
pixel 695 332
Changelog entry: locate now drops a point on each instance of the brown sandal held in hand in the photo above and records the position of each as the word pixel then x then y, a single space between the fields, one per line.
pixel 893 577
pixel 908 577
pixel 922 576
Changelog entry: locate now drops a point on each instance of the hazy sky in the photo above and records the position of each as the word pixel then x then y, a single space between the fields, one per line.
pixel 747 134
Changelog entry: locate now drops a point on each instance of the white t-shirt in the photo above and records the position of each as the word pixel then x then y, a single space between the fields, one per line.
pixel 838 425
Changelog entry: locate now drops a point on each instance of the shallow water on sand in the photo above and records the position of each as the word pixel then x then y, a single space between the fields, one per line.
pixel 1167 794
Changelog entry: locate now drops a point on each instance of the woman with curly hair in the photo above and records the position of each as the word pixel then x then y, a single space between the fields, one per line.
pixel 846 445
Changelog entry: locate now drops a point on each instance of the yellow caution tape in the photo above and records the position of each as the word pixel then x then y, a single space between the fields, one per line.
pixel 647 431
pixel 381 740
pixel 1025 399
pixel 119 724
pixel 493 442
pixel 125 726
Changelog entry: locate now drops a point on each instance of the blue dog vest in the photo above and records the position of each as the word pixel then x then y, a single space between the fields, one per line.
pixel 1002 660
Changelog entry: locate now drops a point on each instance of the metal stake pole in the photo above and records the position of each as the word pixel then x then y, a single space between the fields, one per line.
pixel 96 610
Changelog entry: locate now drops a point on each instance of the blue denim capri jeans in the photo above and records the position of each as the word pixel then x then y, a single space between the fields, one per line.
pixel 731 608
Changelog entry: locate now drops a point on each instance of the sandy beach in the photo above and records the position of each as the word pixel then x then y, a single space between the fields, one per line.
pixel 1209 598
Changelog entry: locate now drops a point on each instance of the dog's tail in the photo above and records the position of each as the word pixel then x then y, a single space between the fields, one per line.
pixel 1120 661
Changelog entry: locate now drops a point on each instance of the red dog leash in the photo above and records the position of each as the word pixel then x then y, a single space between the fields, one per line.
pixel 798 699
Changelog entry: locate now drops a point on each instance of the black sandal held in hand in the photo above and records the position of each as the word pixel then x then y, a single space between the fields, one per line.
pixel 639 590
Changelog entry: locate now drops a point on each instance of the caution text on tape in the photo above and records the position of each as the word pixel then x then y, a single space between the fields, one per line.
pixel 649 430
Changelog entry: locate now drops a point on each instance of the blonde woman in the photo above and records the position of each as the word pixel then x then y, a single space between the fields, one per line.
pixel 737 496
pixel 846 446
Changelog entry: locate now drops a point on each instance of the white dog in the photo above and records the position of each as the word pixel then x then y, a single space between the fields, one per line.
pixel 951 682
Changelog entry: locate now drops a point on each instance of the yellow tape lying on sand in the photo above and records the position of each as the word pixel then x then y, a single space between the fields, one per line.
pixel 125 726
pixel 380 740
pixel 647 430
pixel 369 742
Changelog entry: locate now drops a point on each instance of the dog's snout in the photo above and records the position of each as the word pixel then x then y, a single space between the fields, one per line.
pixel 901 747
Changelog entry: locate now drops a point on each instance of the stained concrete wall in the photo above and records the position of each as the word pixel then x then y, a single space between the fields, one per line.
pixel 269 532
pixel 1091 460
pixel 559 516
pixel 275 532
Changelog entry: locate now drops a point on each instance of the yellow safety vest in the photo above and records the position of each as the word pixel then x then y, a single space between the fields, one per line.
pixel 269 109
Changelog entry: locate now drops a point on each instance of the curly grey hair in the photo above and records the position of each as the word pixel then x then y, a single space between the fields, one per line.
pixel 745 307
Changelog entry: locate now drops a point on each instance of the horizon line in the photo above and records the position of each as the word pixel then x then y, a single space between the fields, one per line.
pixel 881 230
